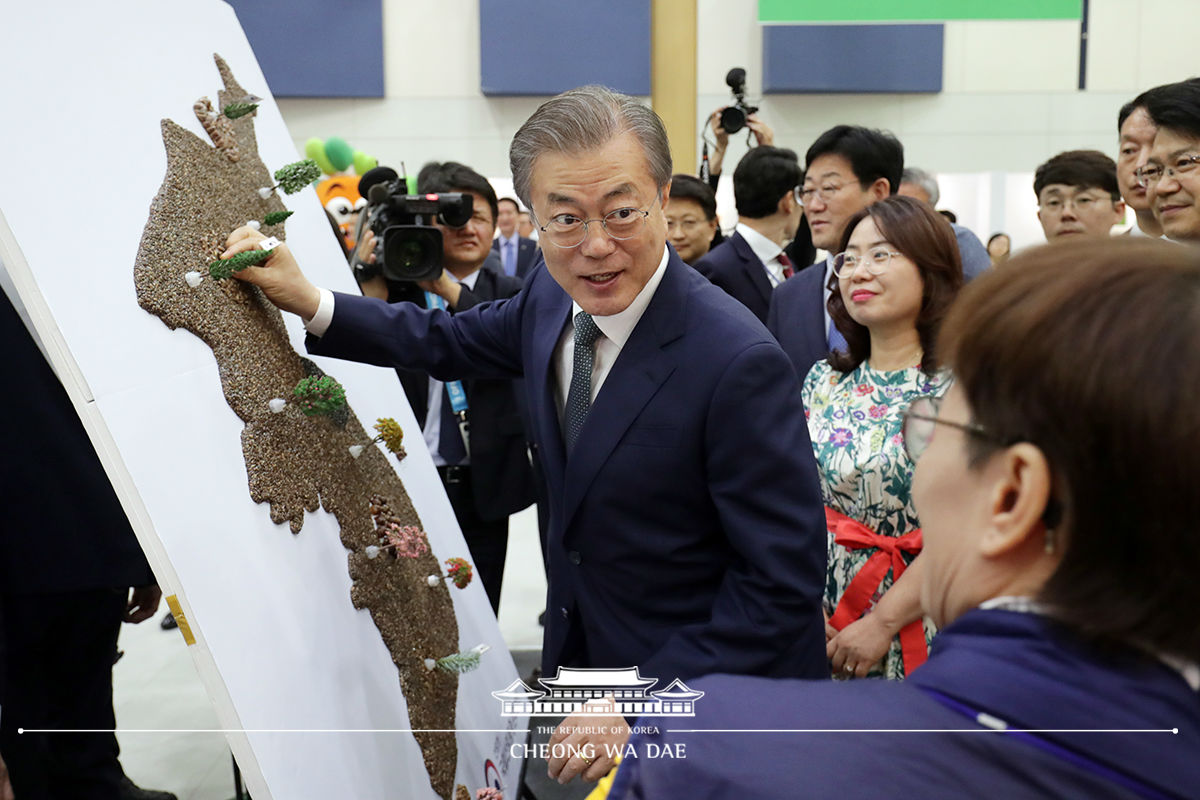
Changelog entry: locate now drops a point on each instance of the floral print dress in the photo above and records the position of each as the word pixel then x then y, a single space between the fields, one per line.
pixel 854 421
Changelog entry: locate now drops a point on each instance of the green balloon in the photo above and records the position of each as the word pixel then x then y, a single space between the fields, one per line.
pixel 314 148
pixel 340 154
pixel 364 162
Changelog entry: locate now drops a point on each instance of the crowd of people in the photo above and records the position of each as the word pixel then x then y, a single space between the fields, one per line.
pixel 725 451
pixel 845 439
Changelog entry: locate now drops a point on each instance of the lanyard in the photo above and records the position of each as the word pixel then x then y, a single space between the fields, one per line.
pixel 458 398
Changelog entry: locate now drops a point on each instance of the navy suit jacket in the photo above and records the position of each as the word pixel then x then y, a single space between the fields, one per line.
pixel 687 533
pixel 796 317
pixel 1019 668
pixel 527 252
pixel 734 267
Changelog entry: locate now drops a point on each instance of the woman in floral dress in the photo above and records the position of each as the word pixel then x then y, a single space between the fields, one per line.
pixel 897 274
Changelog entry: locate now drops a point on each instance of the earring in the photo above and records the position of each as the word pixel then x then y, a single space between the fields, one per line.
pixel 1050 541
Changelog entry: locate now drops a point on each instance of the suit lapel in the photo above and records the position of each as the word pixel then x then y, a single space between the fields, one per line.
pixel 552 313
pixel 638 373
pixel 755 272
pixel 817 330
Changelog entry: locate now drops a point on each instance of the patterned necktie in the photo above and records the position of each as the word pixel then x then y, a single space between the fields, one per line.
pixel 579 396
pixel 787 266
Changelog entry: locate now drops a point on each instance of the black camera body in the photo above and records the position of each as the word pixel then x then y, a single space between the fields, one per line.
pixel 733 118
pixel 409 247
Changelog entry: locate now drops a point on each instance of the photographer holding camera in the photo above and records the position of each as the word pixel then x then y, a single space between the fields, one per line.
pixel 731 119
pixel 486 473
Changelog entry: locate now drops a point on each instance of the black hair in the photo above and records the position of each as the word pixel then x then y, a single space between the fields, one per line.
pixel 451 176
pixel 1083 169
pixel 762 178
pixel 516 205
pixel 1176 106
pixel 688 187
pixel 873 154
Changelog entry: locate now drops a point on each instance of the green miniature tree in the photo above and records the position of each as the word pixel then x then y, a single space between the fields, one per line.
pixel 459 663
pixel 276 217
pixel 235 110
pixel 319 396
pixel 295 176
pixel 224 268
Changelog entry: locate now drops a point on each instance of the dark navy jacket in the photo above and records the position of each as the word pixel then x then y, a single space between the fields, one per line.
pixel 796 318
pixel 734 267
pixel 686 533
pixel 1019 668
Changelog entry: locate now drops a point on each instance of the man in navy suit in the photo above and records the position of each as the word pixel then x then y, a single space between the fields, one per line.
pixel 751 262
pixel 488 477
pixel 847 169
pixel 687 534
pixel 517 254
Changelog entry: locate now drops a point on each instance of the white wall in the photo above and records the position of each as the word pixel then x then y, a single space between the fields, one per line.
pixel 1008 102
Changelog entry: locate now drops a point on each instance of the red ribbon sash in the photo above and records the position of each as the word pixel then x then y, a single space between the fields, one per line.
pixel 853 535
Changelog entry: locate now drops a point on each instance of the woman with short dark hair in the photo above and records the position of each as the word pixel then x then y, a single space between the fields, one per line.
pixel 898 272
pixel 1057 488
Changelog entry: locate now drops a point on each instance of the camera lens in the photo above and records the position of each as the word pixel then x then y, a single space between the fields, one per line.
pixel 733 119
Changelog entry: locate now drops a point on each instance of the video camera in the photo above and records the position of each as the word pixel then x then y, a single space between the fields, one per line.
pixel 408 247
pixel 733 118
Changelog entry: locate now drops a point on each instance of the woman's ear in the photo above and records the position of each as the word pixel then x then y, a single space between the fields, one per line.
pixel 1021 487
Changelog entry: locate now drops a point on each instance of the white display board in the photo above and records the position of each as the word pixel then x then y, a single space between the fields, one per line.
pixel 282 652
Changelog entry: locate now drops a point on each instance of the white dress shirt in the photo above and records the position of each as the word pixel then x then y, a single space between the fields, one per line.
pixel 768 252
pixel 433 416
pixel 616 330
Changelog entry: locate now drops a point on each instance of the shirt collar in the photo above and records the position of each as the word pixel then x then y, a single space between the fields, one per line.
pixel 766 250
pixel 619 327
pixel 469 281
pixel 503 241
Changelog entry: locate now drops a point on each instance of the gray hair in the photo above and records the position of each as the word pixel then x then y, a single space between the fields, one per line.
pixel 923 179
pixel 584 119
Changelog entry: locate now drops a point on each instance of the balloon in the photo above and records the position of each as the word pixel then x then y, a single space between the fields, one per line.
pixel 364 162
pixel 314 148
pixel 339 153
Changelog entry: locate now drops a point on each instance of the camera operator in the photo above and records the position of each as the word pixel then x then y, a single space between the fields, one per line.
pixel 763 135
pixel 487 476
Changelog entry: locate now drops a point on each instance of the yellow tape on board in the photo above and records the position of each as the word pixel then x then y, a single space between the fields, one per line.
pixel 177 612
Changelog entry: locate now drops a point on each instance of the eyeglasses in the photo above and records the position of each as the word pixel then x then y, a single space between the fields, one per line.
pixel 920 420
pixel 1082 203
pixel 876 262
pixel 806 194
pixel 1151 174
pixel 568 230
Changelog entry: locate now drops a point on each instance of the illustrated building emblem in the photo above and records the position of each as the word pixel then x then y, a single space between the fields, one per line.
pixel 598 692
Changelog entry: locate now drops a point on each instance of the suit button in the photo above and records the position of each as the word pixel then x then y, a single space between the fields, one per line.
pixel 565 614
pixel 574 557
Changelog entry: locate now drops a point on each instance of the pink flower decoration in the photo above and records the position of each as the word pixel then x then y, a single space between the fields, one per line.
pixel 863 388
pixel 878 412
pixel 408 540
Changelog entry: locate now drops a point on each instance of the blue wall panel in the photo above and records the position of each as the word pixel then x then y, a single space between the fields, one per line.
pixel 314 48
pixel 535 47
pixel 852 58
